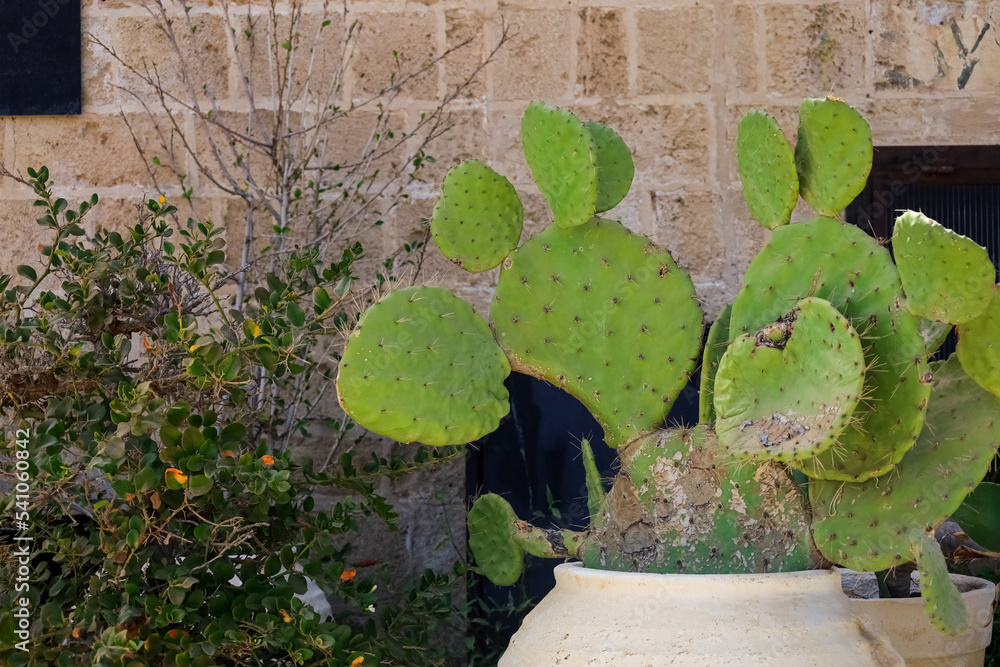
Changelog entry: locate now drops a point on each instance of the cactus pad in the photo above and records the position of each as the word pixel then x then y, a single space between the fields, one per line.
pixel 841 264
pixel 492 526
pixel 833 154
pixel 787 392
pixel 477 220
pixel 943 602
pixel 867 526
pixel 767 169
pixel 604 314
pixel 675 507
pixel 934 334
pixel 560 152
pixel 715 347
pixel 979 346
pixel 946 276
pixel 615 168
pixel 422 366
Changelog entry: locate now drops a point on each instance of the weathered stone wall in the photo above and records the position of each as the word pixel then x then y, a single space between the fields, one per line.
pixel 672 77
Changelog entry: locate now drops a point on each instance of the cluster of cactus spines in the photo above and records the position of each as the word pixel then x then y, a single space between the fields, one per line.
pixel 786 393
pixel 833 154
pixel 837 262
pixel 922 249
pixel 979 346
pixel 604 314
pixel 477 221
pixel 608 316
pixel 879 524
pixel 767 169
pixel 677 505
pixel 715 347
pixel 422 366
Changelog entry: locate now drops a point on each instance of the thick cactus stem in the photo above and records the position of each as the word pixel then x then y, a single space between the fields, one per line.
pixel 946 276
pixel 833 154
pixel 422 366
pixel 478 219
pixel 767 169
pixel 942 600
pixel 787 392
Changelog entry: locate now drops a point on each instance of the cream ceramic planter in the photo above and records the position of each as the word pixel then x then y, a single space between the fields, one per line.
pixel 597 617
pixel 906 624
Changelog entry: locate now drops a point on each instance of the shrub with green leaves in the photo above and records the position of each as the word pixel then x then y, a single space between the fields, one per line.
pixel 168 522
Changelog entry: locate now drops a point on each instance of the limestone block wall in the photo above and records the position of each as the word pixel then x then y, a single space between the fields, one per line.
pixel 671 76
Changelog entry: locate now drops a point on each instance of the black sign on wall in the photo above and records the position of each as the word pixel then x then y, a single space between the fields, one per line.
pixel 40 69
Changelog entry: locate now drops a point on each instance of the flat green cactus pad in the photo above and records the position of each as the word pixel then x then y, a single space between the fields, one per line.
pixel 786 392
pixel 934 334
pixel 840 263
pixel 676 507
pixel 604 314
pixel 867 525
pixel 422 366
pixel 715 347
pixel 942 600
pixel 615 168
pixel 477 220
pixel 979 346
pixel 560 152
pixel 833 154
pixel 946 276
pixel 767 169
pixel 492 526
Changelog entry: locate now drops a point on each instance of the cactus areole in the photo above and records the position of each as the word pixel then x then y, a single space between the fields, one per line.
pixel 819 367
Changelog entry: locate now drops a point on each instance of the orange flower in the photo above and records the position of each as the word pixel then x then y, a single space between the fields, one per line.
pixel 284 616
pixel 76 633
pixel 347 575
pixel 229 453
pixel 267 459
pixel 357 661
pixel 175 475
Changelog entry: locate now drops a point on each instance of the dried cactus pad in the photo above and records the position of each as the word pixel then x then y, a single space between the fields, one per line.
pixel 767 169
pixel 869 525
pixel 560 152
pixel 615 168
pixel 979 346
pixel 840 263
pixel 786 392
pixel 605 315
pixel 946 276
pixel 833 154
pixel 492 527
pixel 422 366
pixel 676 507
pixel 477 220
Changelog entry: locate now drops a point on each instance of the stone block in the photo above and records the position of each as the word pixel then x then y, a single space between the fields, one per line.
pixel 674 50
pixel 460 25
pixel 91 151
pixel 97 63
pixel 742 61
pixel 465 138
pixel 21 236
pixel 395 44
pixel 602 47
pixel 150 53
pixel 935 46
pixel 816 50
pixel 687 223
pixel 535 63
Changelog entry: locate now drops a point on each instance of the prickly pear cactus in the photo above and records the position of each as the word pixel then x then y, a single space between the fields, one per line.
pixel 421 365
pixel 787 392
pixel 767 169
pixel 604 314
